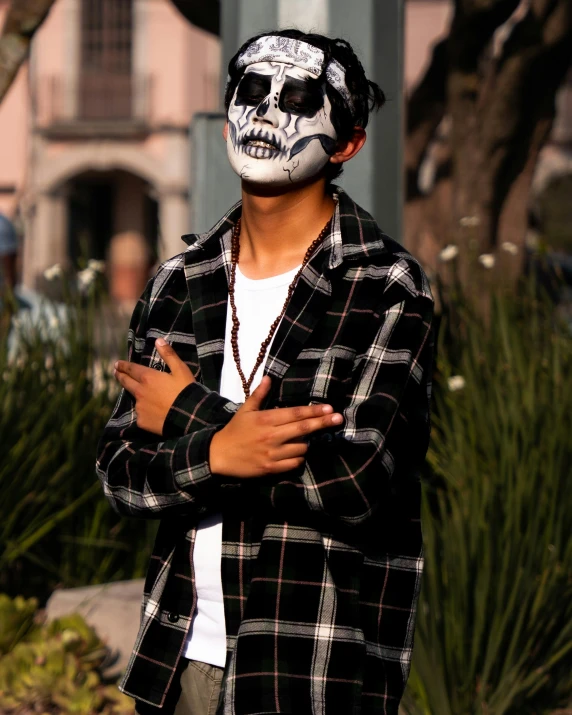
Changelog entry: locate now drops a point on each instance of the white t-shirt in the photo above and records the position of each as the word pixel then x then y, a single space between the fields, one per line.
pixel 258 303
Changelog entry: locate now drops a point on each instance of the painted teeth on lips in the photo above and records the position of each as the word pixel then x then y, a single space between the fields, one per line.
pixel 264 145
pixel 260 152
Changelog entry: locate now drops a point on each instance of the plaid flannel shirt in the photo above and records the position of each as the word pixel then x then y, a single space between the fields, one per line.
pixel 321 566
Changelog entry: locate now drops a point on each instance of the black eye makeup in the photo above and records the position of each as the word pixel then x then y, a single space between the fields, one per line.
pixel 301 97
pixel 252 89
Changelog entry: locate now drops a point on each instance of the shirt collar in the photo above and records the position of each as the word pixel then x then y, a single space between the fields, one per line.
pixel 353 232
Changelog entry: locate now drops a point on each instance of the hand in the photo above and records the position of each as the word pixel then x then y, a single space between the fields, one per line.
pixel 258 442
pixel 154 391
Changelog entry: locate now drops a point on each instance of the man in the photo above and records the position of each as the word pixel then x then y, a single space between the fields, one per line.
pixel 287 564
pixel 8 261
pixel 8 253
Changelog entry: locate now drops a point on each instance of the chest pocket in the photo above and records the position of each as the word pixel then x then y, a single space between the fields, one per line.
pixel 185 349
pixel 316 380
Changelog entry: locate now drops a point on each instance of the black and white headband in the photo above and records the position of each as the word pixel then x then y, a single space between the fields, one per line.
pixel 273 48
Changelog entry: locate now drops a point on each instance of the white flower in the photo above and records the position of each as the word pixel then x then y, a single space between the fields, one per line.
pixel 97 266
pixel 49 362
pixel 54 322
pixel 509 247
pixel 70 636
pixel 85 278
pixel 487 260
pixel 456 382
pixel 53 272
pixel 448 253
pixel 470 221
pixel 532 239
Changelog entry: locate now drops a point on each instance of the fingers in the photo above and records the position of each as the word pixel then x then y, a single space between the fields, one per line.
pixel 136 372
pixel 168 354
pixel 127 382
pixel 254 402
pixel 291 451
pixel 170 357
pixel 306 427
pixel 286 465
pixel 285 415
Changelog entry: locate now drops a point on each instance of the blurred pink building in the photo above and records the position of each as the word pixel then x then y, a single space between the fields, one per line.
pixel 94 133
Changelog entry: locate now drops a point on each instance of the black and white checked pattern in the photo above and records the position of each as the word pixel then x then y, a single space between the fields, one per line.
pixel 320 566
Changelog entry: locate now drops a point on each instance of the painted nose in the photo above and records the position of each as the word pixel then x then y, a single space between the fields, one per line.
pixel 266 113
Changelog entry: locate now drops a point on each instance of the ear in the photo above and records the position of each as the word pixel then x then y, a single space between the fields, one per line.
pixel 225 131
pixel 347 150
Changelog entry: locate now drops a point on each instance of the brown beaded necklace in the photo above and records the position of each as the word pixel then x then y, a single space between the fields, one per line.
pixel 235 253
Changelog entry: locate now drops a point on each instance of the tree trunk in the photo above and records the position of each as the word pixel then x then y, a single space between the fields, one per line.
pixel 500 101
pixel 23 19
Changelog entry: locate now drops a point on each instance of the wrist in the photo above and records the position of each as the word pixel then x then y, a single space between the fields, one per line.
pixel 215 454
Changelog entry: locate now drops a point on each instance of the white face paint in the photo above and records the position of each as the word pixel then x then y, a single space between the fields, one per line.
pixel 279 126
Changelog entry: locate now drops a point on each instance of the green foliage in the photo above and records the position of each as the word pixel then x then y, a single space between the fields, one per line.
pixel 55 668
pixel 494 632
pixel 16 618
pixel 57 394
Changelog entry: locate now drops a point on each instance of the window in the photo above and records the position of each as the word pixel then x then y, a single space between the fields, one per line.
pixel 106 59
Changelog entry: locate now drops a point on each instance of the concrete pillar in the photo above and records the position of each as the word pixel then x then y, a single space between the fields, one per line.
pixel 306 15
pixel 46 242
pixel 210 168
pixel 375 177
pixel 173 221
pixel 72 51
pixel 241 19
pixel 140 60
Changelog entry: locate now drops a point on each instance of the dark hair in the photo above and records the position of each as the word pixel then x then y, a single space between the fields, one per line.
pixel 366 95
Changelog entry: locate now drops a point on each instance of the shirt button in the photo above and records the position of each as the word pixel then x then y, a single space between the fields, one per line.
pixel 173 617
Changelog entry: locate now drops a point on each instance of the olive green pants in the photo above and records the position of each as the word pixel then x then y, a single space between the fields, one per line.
pixel 196 693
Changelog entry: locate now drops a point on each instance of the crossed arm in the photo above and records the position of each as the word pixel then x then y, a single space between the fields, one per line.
pixel 253 443
pixel 144 474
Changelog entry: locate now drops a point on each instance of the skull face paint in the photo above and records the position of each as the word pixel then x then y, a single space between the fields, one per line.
pixel 279 125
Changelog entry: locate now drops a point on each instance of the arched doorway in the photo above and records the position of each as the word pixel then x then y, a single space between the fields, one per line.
pixel 101 193
pixel 112 216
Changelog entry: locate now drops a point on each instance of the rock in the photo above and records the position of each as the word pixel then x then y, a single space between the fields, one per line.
pixel 113 609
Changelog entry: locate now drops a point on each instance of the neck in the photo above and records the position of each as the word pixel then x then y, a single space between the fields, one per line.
pixel 278 228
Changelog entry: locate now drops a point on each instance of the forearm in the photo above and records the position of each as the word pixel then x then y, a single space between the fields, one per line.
pixel 384 438
pixel 158 479
pixel 341 482
pixel 196 408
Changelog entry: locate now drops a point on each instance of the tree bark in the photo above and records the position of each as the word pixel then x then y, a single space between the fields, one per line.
pixel 203 14
pixel 501 104
pixel 23 19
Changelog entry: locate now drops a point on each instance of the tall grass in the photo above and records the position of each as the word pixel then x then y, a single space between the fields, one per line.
pixel 494 632
pixel 56 395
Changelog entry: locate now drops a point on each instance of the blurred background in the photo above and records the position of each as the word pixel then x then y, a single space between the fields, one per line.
pixel 110 150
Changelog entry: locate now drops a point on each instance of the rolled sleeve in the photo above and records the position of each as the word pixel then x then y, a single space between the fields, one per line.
pixel 196 407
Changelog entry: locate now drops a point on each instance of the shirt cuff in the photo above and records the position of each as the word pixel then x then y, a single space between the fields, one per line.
pixel 196 407
pixel 191 470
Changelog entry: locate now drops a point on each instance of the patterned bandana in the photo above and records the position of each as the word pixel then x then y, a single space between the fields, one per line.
pixel 273 48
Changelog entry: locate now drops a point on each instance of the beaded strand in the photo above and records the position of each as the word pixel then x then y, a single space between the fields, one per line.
pixel 235 254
